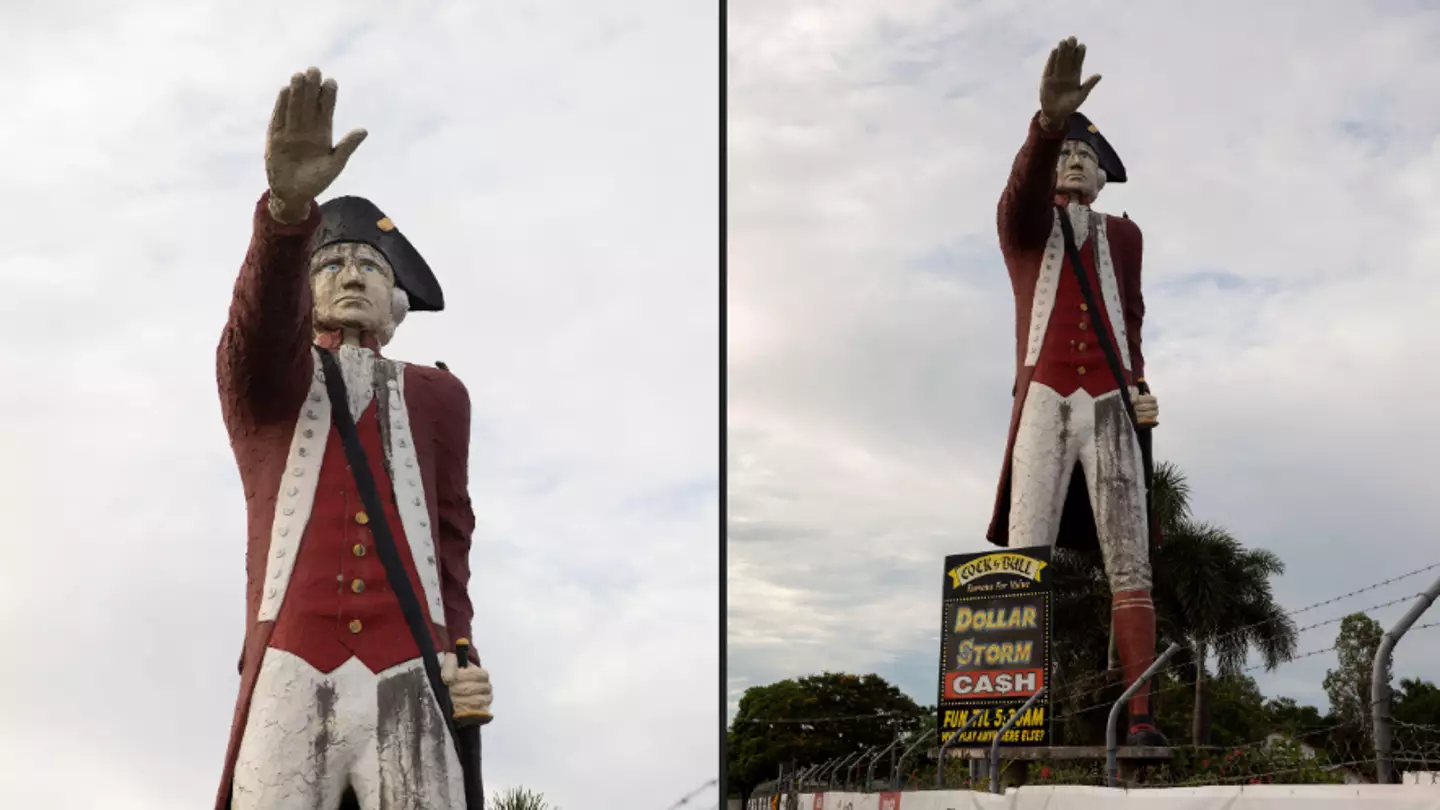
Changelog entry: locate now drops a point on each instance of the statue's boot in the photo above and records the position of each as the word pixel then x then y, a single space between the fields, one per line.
pixel 1134 617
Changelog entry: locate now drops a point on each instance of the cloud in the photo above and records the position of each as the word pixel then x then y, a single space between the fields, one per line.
pixel 556 166
pixel 1283 171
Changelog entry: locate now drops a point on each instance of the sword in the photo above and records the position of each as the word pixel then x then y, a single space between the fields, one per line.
pixel 467 735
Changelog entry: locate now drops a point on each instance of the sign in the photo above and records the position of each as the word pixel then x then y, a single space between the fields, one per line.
pixel 995 647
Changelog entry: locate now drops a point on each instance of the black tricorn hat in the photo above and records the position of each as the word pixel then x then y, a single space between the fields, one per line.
pixel 1079 128
pixel 356 219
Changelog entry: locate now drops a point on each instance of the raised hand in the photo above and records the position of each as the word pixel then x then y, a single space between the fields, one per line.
pixel 1061 92
pixel 300 161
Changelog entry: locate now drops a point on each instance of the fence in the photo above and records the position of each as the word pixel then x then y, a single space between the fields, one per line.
pixel 1358 751
pixel 1267 797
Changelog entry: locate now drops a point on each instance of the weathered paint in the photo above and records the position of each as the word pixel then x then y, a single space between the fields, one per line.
pixel 1057 433
pixel 311 736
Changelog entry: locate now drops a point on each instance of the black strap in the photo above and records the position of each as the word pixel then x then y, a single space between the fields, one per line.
pixel 1102 329
pixel 1105 338
pixel 384 540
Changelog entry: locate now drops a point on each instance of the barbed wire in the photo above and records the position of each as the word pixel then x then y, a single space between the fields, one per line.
pixel 1187 644
pixel 1179 685
pixel 1279 757
pixel 881 715
pixel 1072 689
pixel 683 800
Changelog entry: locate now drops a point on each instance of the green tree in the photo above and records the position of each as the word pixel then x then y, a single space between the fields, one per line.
pixel 1302 723
pixel 1349 685
pixel 842 713
pixel 1417 705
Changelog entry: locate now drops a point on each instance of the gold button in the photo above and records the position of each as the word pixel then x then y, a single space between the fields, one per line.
pixel 1082 345
pixel 1080 371
pixel 355 626
pixel 359 550
pixel 358 586
pixel 1084 325
pixel 362 518
pixel 1084 307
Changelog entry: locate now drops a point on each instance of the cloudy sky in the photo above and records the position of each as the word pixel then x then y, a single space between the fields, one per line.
pixel 556 165
pixel 1284 164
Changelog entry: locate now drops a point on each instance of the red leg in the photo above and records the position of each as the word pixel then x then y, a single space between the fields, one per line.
pixel 1134 617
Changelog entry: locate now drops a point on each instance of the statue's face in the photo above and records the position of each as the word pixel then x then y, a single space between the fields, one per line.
pixel 1078 171
pixel 353 286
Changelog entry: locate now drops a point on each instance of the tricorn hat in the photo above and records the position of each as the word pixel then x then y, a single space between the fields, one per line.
pixel 1079 128
pixel 356 219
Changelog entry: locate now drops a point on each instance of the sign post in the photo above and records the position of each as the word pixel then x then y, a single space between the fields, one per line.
pixel 995 648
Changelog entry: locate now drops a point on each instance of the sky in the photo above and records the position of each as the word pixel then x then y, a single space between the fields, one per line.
pixel 555 162
pixel 1284 167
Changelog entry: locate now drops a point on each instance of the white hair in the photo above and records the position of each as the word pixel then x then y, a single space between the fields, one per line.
pixel 399 308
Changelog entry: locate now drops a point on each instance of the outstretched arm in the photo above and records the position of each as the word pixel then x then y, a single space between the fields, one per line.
pixel 263 362
pixel 1025 209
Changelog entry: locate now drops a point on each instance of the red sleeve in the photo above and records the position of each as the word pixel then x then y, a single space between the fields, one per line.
pixel 263 361
pixel 456 516
pixel 1026 207
pixel 1134 299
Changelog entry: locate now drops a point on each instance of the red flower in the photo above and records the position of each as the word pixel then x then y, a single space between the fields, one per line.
pixel 1045 772
pixel 1204 763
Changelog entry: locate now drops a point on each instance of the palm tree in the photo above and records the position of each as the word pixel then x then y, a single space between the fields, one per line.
pixel 1211 595
pixel 520 799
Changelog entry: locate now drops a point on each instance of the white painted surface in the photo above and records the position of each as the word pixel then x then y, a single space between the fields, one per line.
pixel 410 497
pixel 297 756
pixel 1045 288
pixel 297 492
pixel 1055 433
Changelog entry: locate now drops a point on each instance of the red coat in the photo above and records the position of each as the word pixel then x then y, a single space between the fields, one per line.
pixel 265 371
pixel 1025 220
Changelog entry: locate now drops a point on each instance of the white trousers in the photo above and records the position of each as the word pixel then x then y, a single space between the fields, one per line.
pixel 311 735
pixel 1057 432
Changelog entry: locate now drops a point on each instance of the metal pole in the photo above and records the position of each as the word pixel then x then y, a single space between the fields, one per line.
pixel 940 768
pixel 837 768
pixel 995 744
pixel 1380 683
pixel 825 769
pixel 856 765
pixel 1112 765
pixel 806 773
pixel 895 771
pixel 870 772
pixel 892 759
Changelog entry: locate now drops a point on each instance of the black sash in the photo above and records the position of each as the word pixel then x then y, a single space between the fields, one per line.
pixel 1105 338
pixel 394 568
